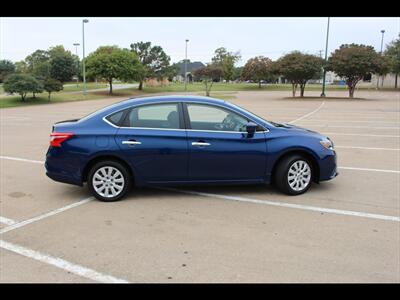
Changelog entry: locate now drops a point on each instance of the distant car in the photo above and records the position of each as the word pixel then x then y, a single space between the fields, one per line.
pixel 181 140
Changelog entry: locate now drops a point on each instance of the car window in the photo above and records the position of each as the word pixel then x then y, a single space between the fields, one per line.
pixel 116 118
pixel 154 116
pixel 206 117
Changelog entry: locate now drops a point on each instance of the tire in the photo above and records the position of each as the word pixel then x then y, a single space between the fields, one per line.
pixel 287 184
pixel 119 182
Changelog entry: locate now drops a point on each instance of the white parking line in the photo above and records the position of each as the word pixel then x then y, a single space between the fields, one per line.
pixel 22 159
pixel 7 221
pixel 309 114
pixel 43 216
pixel 348 121
pixel 60 263
pixel 352 126
pixel 361 134
pixel 367 148
pixel 370 170
pixel 55 261
pixel 291 205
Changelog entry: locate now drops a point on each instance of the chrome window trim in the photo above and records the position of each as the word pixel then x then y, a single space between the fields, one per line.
pixel 179 129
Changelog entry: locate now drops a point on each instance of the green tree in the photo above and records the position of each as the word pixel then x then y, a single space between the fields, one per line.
pixel 154 60
pixel 112 62
pixel 21 67
pixel 353 62
pixel 38 64
pixel 172 71
pixel 63 64
pixel 208 75
pixel 237 73
pixel 226 60
pixel 298 68
pixel 393 53
pixel 52 85
pixel 7 67
pixel 257 69
pixel 384 66
pixel 21 84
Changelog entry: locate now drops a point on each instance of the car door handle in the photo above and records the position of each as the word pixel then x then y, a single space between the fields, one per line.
pixel 131 142
pixel 200 144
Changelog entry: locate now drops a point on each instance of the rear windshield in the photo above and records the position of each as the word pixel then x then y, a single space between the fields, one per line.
pixel 99 111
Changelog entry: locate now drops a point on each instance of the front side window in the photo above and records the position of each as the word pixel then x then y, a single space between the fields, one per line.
pixel 154 116
pixel 206 117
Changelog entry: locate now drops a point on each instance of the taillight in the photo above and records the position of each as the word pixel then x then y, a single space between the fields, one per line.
pixel 56 138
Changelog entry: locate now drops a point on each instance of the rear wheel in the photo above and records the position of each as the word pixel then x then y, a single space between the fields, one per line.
pixel 293 175
pixel 109 181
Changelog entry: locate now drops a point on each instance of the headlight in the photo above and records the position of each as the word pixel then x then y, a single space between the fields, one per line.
pixel 327 144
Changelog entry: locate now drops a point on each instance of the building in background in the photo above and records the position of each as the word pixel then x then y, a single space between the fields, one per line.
pixel 191 66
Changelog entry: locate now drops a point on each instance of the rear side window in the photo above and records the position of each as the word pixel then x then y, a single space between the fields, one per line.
pixel 154 116
pixel 116 118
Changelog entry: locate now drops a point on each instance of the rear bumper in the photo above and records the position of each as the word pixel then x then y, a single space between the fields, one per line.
pixel 63 178
pixel 62 169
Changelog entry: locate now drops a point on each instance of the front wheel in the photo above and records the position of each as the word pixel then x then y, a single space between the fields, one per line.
pixel 294 175
pixel 109 181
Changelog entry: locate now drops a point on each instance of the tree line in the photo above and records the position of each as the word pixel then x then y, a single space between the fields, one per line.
pixel 352 62
pixel 48 70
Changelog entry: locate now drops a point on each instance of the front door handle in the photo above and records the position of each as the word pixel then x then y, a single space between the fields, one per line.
pixel 131 143
pixel 200 144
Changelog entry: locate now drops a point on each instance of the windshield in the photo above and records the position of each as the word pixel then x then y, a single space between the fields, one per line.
pixel 275 124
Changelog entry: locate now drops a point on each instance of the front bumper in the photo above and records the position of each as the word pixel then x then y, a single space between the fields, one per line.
pixel 328 167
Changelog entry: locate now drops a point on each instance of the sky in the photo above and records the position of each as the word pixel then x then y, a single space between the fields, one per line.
pixel 268 36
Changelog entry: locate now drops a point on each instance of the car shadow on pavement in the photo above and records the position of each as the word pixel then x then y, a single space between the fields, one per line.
pixel 170 192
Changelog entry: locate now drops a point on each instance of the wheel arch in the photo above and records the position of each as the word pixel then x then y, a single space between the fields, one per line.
pixel 102 157
pixel 309 155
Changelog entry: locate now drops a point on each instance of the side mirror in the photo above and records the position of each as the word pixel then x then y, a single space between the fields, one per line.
pixel 251 129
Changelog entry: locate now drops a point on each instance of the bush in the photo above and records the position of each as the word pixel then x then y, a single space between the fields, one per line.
pixel 22 84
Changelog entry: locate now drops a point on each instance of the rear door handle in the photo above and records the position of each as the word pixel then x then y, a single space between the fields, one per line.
pixel 200 144
pixel 131 143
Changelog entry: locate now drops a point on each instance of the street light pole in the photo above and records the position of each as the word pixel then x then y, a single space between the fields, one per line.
pixel 326 58
pixel 377 75
pixel 186 65
pixel 83 60
pixel 76 51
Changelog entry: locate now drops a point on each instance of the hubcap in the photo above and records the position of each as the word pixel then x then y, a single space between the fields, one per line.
pixel 108 182
pixel 299 175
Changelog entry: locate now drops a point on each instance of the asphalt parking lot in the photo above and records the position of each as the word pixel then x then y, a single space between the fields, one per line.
pixel 344 230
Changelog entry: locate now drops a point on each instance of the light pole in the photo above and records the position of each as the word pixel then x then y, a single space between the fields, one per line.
pixel 326 58
pixel 76 51
pixel 186 64
pixel 377 75
pixel 83 59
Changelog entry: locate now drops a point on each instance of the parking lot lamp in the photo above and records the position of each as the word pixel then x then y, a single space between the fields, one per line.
pixel 377 75
pixel 326 59
pixel 186 64
pixel 83 59
pixel 76 52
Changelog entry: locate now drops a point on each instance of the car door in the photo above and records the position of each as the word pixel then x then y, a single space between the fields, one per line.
pixel 219 146
pixel 153 139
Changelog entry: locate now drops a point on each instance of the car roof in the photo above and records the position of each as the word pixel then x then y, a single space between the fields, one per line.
pixel 169 98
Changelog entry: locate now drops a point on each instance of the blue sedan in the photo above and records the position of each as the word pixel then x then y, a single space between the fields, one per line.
pixel 184 140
